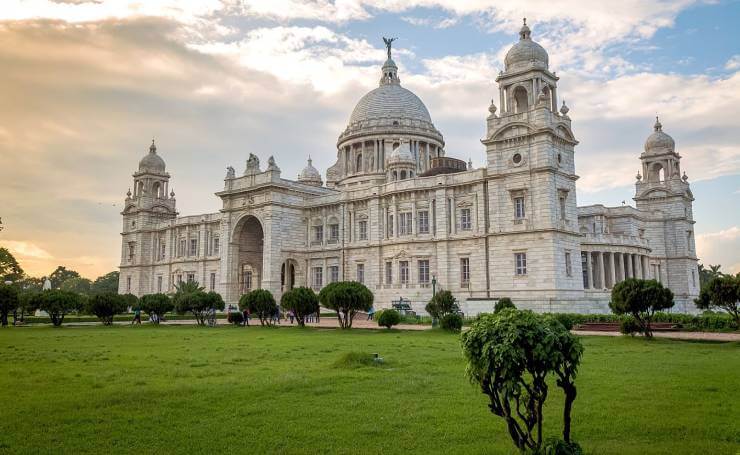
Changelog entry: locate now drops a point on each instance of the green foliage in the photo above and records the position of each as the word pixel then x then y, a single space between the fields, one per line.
pixel 452 322
pixel 641 299
pixel 346 298
pixel 200 304
pixel 156 305
pixel 707 274
pixel 259 302
pixel 510 356
pixel 502 304
pixel 131 301
pixel 8 302
pixel 564 319
pixel 302 301
pixel 389 318
pixel 105 283
pixel 76 284
pixel 10 270
pixel 235 317
pixel 31 284
pixel 629 326
pixel 105 306
pixel 60 275
pixel 554 446
pixel 722 293
pixel 57 304
pixel 441 304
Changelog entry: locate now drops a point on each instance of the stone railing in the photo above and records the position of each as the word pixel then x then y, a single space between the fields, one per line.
pixel 616 239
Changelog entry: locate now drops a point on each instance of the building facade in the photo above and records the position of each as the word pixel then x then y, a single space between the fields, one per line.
pixel 397 214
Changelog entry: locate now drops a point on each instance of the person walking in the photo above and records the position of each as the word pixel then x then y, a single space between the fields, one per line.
pixel 291 315
pixel 246 317
pixel 137 317
pixel 370 313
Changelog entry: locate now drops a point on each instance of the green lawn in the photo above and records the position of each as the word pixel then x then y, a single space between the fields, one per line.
pixel 188 389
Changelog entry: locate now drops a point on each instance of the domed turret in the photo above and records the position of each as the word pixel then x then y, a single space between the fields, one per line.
pixel 526 52
pixel 659 142
pixel 152 162
pixel 310 175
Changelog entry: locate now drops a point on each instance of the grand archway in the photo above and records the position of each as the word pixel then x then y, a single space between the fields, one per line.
pixel 249 241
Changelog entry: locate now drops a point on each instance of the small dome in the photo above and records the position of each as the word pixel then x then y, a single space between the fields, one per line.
pixel 401 153
pixel 310 175
pixel 152 162
pixel 659 142
pixel 526 52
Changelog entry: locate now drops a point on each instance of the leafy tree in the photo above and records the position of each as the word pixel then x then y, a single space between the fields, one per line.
pixel 131 301
pixel 156 305
pixel 346 298
pixel 60 275
pixel 502 304
pixel 389 318
pixel 31 284
pixel 259 302
pixel 510 356
pixel 302 301
pixel 641 299
pixel 76 284
pixel 10 270
pixel 722 292
pixel 452 322
pixel 441 304
pixel 25 303
pixel 707 274
pixel 8 302
pixel 105 283
pixel 106 306
pixel 57 304
pixel 200 303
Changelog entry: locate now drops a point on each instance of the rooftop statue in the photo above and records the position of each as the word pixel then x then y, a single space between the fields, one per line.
pixel 388 43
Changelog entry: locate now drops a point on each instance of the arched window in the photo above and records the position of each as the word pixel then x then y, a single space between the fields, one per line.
pixel 521 100
pixel 548 94
pixel 157 190
pixel 140 188
pixel 403 175
pixel 358 167
pixel 657 173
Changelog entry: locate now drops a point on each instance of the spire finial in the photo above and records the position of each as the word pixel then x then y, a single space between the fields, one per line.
pixel 658 126
pixel 153 148
pixel 525 21
pixel 309 160
pixel 524 32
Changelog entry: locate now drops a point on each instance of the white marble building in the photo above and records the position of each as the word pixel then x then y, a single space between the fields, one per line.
pixel 395 212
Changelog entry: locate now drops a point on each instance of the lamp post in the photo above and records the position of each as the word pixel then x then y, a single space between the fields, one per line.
pixel 434 293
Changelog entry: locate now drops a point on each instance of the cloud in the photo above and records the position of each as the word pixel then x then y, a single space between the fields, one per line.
pixel 26 250
pixel 733 63
pixel 720 247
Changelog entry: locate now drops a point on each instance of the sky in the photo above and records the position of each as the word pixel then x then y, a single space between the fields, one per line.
pixel 85 85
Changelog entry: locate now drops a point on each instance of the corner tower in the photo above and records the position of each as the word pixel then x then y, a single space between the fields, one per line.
pixel 535 248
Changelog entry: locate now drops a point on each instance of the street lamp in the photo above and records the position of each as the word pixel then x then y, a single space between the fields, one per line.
pixel 434 285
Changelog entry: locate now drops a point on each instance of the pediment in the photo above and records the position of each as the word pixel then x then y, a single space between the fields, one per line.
pixel 511 130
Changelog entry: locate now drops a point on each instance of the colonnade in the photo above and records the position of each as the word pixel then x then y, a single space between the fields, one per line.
pixel 604 269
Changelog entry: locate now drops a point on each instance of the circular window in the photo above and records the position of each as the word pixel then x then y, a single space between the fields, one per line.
pixel 560 158
pixel 517 158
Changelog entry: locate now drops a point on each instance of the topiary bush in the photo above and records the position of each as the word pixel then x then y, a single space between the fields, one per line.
pixel 452 322
pixel 235 318
pixel 346 298
pixel 389 318
pixel 629 326
pixel 8 302
pixel 502 304
pixel 106 306
pixel 641 299
pixel 156 305
pixel 57 304
pixel 302 301
pixel 260 302
pixel 441 304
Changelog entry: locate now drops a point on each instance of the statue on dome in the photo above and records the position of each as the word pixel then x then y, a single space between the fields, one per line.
pixel 388 43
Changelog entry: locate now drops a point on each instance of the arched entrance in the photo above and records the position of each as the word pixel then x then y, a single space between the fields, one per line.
pixel 249 240
pixel 287 275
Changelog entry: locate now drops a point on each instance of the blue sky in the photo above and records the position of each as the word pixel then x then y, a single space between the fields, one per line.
pixel 87 85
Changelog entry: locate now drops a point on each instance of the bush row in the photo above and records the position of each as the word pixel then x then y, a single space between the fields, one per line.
pixel 706 322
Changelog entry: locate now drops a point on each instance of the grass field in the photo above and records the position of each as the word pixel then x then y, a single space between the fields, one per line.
pixel 254 390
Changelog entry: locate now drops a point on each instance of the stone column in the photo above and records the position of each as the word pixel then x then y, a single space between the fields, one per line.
pixel 613 270
pixel 589 271
pixel 630 271
pixel 602 272
pixel 645 267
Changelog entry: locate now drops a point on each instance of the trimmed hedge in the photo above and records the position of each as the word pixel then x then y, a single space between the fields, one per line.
pixel 707 322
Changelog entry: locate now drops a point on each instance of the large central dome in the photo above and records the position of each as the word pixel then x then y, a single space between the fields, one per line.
pixel 389 101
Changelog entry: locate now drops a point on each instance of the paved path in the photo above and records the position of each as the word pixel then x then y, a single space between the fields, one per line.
pixel 706 336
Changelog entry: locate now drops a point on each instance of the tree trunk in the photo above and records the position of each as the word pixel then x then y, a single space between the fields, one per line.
pixel 570 397
pixel 4 318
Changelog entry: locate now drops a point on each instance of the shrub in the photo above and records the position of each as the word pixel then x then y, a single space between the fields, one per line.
pixel 8 302
pixel 564 319
pixel 452 322
pixel 131 301
pixel 346 298
pixel 235 318
pixel 389 318
pixel 57 304
pixel 722 293
pixel 105 306
pixel 503 303
pixel 261 303
pixel 200 303
pixel 641 299
pixel 441 304
pixel 554 446
pixel 156 305
pixel 510 355
pixel 629 326
pixel 302 301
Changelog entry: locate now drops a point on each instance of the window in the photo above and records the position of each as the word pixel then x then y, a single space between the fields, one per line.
pixel 362 226
pixel 404 223
pixel 216 246
pixel 568 267
pixel 131 250
pixel 193 247
pixel 361 273
pixel 213 282
pixel 388 272
pixel 465 221
pixel 191 278
pixel 179 278
pixel 562 207
pixel 403 271
pixel 464 272
pixel 584 267
pixel 162 251
pixel 318 234
pixel 128 285
pixel 519 208
pixel 390 225
pixel 424 271
pixel 318 277
pixel 423 221
pixel 159 284
pixel 693 278
pixel 333 233
pixel 521 263
pixel 333 273
pixel 247 281
pixel 517 158
pixel 181 250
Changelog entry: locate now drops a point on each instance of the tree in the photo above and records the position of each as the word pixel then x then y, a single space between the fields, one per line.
pixel 25 303
pixel 443 303
pixel 259 302
pixel 302 302
pixel 76 284
pixel 200 303
pixel 31 284
pixel 346 298
pixel 106 306
pixel 8 302
pixel 706 275
pixel 57 304
pixel 131 300
pixel 105 283
pixel 510 356
pixel 389 318
pixel 641 299
pixel 156 305
pixel 10 270
pixel 60 275
pixel 722 293
pixel 502 304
